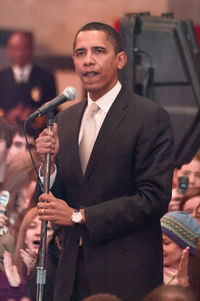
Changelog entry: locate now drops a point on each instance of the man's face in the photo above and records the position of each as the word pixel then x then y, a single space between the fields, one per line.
pixel 19 146
pixel 192 171
pixel 96 62
pixel 19 49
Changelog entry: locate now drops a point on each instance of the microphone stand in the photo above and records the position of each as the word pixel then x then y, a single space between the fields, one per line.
pixel 41 271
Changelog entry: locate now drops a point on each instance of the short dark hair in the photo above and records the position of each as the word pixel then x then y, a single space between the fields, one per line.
pixel 18 128
pixel 112 35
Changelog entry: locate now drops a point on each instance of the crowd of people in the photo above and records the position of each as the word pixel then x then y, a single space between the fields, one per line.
pixel 118 226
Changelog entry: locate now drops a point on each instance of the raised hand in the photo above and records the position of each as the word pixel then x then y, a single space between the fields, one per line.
pixel 11 270
pixel 175 201
pixel 29 259
pixel 182 275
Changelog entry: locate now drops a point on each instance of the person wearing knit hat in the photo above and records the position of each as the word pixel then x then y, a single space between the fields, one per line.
pixel 181 235
pixel 182 228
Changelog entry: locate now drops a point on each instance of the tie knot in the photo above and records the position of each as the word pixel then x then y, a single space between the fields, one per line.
pixel 92 110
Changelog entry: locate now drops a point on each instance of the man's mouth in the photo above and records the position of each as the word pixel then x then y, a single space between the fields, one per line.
pixel 90 74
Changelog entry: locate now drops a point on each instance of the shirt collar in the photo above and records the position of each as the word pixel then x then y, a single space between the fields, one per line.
pixel 25 68
pixel 107 100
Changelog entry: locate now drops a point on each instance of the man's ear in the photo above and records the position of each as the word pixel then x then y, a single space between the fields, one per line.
pixel 122 59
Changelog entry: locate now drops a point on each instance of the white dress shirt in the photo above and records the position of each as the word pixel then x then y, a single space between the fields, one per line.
pixel 104 103
pixel 22 74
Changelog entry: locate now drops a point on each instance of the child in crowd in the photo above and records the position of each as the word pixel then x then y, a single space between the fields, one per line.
pixel 17 269
pixel 181 234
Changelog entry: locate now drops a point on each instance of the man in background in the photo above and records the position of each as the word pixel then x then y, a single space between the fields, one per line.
pixel 18 143
pixel 24 86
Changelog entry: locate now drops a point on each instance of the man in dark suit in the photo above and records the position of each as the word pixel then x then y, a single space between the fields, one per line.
pixel 24 86
pixel 110 207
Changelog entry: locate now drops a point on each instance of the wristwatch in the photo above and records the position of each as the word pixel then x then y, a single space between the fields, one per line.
pixel 77 217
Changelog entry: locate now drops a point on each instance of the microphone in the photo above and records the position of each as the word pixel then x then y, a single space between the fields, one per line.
pixel 4 198
pixel 69 93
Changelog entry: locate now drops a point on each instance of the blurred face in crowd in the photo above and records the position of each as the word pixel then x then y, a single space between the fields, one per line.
pixel 171 253
pixel 19 49
pixel 3 150
pixel 191 205
pixel 197 214
pixel 33 232
pixel 19 146
pixel 96 62
pixel 25 196
pixel 192 171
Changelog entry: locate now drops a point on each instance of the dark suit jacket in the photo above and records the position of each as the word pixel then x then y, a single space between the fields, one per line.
pixel 125 191
pixel 39 89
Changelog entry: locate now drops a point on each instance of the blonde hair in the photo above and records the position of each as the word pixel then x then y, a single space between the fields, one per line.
pixel 20 243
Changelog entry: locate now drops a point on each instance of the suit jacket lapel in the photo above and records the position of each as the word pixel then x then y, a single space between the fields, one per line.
pixel 113 119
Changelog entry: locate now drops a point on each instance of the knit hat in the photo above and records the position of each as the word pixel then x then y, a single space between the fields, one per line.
pixel 182 228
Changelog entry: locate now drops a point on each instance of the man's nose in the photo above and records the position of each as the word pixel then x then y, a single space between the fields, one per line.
pixel 89 58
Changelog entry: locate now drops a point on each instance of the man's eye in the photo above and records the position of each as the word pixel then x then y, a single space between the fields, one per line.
pixel 80 53
pixel 18 144
pixel 99 50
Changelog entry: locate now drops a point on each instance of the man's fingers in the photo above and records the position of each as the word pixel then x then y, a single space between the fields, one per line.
pixel 55 129
pixel 45 197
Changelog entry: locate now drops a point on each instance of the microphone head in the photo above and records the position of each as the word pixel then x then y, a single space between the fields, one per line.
pixel 70 93
pixel 4 198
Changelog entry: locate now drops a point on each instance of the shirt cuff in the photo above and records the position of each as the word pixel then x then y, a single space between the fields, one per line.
pixel 52 176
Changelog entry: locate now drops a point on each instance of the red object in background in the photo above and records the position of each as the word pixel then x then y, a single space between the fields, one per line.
pixel 117 24
pixel 197 33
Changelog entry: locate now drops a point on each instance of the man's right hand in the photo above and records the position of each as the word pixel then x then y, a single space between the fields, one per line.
pixel 47 143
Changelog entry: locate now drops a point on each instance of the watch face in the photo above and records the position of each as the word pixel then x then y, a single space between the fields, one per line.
pixel 77 217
